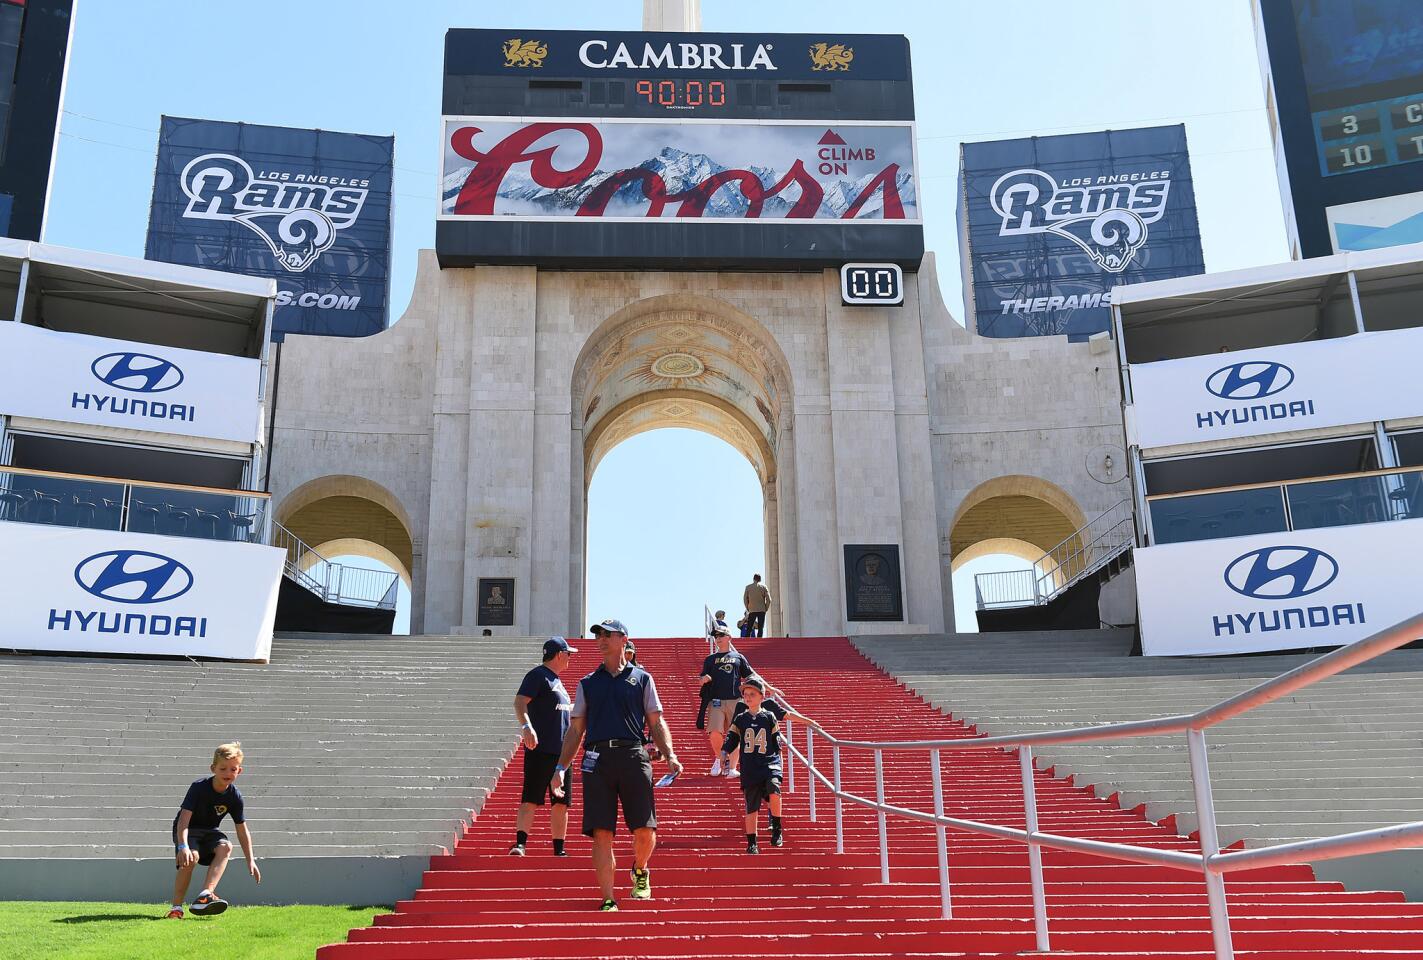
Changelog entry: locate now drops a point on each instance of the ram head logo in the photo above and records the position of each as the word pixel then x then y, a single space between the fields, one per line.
pixel 524 53
pixel 824 56
pixel 1112 238
pixel 296 239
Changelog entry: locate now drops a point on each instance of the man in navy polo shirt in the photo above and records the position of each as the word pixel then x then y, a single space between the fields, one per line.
pixel 611 707
pixel 542 708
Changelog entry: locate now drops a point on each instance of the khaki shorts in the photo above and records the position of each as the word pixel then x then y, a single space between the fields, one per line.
pixel 719 718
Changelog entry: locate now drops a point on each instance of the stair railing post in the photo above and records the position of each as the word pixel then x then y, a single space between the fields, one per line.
pixel 946 907
pixel 1035 850
pixel 790 758
pixel 1210 844
pixel 883 819
pixel 839 806
pixel 810 765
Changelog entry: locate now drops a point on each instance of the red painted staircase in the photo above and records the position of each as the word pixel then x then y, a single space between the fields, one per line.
pixel 805 901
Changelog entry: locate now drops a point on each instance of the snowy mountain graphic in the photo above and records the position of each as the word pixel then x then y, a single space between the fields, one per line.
pixel 680 171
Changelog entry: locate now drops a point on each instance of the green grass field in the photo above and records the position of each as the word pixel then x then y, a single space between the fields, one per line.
pixel 139 931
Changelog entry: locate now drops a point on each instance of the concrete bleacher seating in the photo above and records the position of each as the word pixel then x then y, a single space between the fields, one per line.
pixel 364 757
pixel 1342 756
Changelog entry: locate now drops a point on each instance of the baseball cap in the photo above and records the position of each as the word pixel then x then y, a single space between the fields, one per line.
pixel 557 645
pixel 610 626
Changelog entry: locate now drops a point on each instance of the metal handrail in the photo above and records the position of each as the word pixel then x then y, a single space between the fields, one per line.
pixel 1211 863
pixel 328 579
pixel 1088 549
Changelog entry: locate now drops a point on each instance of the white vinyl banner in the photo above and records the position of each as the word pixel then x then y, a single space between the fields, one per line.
pixel 1278 591
pixel 77 378
pixel 1323 383
pixel 99 591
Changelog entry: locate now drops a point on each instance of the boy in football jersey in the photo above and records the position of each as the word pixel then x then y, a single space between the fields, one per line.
pixel 756 733
pixel 197 839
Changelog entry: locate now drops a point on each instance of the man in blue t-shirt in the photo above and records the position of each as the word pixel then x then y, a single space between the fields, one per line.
pixel 542 707
pixel 722 673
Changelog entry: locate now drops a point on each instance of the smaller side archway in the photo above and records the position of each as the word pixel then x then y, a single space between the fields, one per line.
pixel 351 516
pixel 1017 507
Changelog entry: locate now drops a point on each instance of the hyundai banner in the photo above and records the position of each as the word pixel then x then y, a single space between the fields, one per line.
pixel 77 378
pixel 1246 393
pixel 1049 225
pixel 308 208
pixel 797 172
pixel 1278 591
pixel 98 591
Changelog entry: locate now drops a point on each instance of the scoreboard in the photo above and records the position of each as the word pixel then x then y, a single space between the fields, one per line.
pixel 1347 79
pixel 703 150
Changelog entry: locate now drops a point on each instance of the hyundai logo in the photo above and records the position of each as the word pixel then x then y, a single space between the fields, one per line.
pixel 133 576
pixel 1250 380
pixel 138 372
pixel 1281 573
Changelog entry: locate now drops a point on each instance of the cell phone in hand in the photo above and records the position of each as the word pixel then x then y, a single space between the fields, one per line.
pixel 666 780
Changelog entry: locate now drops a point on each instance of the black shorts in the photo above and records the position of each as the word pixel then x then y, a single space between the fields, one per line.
pixel 205 842
pixel 621 774
pixel 756 792
pixel 538 779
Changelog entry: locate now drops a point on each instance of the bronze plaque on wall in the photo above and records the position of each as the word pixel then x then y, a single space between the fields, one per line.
pixel 496 601
pixel 872 583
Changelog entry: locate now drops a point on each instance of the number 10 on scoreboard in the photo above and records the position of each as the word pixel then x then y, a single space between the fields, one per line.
pixel 872 284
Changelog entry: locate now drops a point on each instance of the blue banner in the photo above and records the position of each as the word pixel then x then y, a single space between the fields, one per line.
pixel 308 208
pixel 1052 224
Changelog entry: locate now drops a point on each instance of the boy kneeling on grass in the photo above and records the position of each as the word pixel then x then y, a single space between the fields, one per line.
pixel 757 732
pixel 197 839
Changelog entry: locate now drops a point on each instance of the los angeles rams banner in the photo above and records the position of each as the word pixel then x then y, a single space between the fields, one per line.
pixel 1278 591
pixel 1049 225
pixel 308 208
pixel 710 171
pixel 104 592
pixel 138 386
pixel 1322 383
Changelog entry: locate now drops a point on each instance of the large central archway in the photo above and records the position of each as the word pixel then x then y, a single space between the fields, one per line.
pixel 689 361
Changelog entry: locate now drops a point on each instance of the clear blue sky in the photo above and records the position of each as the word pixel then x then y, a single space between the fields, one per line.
pixel 675 518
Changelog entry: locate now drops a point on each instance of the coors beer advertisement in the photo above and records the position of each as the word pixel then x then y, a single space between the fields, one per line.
pixel 638 170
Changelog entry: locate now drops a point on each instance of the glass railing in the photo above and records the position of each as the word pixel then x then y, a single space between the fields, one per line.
pixel 1373 497
pixel 95 503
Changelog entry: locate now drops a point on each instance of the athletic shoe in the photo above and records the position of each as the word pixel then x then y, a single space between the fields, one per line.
pixel 752 848
pixel 609 906
pixel 208 905
pixel 777 839
pixel 517 850
pixel 175 914
pixel 556 853
pixel 641 884
pixel 732 772
pixel 716 768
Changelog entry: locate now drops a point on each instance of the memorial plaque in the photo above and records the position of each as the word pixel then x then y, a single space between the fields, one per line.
pixel 496 601
pixel 872 582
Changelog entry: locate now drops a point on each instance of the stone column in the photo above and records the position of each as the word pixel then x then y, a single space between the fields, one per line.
pixel 862 415
pixel 678 16
pixel 499 496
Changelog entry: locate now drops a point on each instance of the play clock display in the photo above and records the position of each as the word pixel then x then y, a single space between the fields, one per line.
pixel 872 284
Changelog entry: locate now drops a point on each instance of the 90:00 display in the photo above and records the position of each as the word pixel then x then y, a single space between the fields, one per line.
pixel 683 93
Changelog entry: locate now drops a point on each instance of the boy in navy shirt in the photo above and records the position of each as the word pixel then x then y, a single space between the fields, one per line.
pixel 197 839
pixel 757 732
